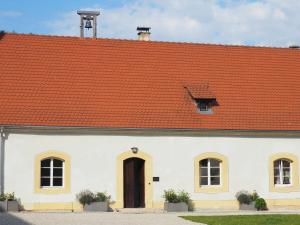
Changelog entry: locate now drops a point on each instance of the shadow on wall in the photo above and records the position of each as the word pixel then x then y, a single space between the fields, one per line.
pixel 12 219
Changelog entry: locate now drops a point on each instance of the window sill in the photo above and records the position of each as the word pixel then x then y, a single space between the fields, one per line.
pixel 52 190
pixel 283 185
pixel 211 189
pixel 208 112
pixel 284 189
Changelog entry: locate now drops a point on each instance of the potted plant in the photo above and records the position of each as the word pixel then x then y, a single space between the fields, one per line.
pixel 247 200
pixel 93 202
pixel 260 204
pixel 176 201
pixel 8 203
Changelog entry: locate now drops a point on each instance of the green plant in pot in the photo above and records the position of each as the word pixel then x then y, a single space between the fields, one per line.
pixel 93 201
pixel 176 201
pixel 250 201
pixel 8 202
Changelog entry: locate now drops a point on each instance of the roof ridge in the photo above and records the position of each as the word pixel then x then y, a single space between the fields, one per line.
pixel 152 41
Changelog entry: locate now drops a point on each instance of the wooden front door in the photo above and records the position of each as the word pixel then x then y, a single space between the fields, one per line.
pixel 134 183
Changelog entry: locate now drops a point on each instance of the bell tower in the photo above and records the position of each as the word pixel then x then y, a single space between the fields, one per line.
pixel 87 17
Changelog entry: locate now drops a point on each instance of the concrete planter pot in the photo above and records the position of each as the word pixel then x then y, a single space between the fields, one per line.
pixel 251 206
pixel 176 207
pixel 96 207
pixel 9 206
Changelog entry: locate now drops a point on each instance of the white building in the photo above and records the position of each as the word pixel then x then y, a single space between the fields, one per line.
pixel 81 113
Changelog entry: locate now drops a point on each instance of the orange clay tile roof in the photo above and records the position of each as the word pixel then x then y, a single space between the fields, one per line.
pixel 106 83
pixel 200 91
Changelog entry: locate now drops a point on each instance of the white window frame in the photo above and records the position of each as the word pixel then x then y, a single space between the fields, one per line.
pixel 51 173
pixel 281 175
pixel 208 173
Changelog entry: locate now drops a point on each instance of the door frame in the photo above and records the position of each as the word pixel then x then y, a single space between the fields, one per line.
pixel 148 168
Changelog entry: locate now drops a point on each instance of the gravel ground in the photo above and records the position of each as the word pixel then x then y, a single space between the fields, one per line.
pixel 27 218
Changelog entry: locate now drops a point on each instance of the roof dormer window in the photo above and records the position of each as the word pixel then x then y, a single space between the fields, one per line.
pixel 204 105
pixel 203 98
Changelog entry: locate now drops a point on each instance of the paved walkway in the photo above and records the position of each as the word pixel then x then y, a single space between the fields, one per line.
pixel 27 218
pixel 114 218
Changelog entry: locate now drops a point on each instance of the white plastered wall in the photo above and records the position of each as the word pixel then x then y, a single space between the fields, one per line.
pixel 93 163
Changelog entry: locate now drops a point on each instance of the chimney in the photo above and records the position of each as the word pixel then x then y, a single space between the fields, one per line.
pixel 294 46
pixel 143 33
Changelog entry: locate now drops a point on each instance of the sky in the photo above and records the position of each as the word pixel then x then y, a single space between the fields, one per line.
pixel 241 22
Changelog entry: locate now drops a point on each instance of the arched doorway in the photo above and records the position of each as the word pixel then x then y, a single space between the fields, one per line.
pixel 147 177
pixel 134 182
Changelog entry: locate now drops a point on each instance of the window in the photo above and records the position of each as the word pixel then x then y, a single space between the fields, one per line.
pixel 282 172
pixel 210 172
pixel 52 172
pixel 204 105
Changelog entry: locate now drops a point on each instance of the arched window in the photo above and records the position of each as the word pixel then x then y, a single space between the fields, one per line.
pixel 210 172
pixel 282 172
pixel 52 172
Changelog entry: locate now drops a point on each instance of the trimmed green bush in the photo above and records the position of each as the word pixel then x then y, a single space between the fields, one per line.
pixel 260 204
pixel 101 197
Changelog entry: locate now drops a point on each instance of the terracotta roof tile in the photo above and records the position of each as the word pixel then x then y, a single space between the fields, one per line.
pixel 201 91
pixel 68 81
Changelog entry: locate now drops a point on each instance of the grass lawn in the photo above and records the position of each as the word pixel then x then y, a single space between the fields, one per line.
pixel 247 220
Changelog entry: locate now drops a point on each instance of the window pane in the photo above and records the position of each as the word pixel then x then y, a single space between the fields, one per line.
pixel 57 163
pixel 45 172
pixel 215 171
pixel 277 163
pixel 286 180
pixel 276 180
pixel 204 163
pixel 203 172
pixel 57 182
pixel 45 182
pixel 286 172
pixel 204 181
pixel 286 163
pixel 57 172
pixel 215 180
pixel 203 106
pixel 45 163
pixel 276 172
pixel 214 163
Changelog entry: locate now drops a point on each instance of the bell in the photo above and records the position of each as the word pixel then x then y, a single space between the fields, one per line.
pixel 88 24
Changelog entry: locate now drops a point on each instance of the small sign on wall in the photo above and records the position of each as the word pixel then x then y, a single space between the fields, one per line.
pixel 155 179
